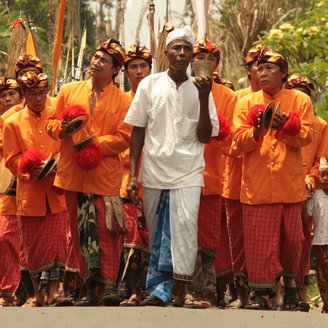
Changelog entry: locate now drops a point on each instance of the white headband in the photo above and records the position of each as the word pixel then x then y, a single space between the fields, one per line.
pixel 184 33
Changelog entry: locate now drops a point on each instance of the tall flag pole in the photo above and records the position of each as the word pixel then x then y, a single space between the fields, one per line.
pixel 73 56
pixel 58 43
pixel 202 7
pixel 67 57
pixel 80 58
pixel 150 17
pixel 122 86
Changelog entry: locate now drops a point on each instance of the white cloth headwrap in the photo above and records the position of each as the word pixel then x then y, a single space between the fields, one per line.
pixel 323 164
pixel 184 33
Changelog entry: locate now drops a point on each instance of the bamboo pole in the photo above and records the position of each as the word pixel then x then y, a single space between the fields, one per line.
pixel 67 57
pixel 80 57
pixel 122 87
pixel 151 27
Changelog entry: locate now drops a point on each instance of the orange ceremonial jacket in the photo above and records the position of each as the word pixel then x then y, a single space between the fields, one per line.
pixel 24 131
pixel 8 203
pixel 108 129
pixel 234 162
pixel 313 151
pixel 273 166
pixel 224 102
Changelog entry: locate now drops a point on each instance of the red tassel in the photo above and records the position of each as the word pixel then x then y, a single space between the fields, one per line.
pixel 253 113
pixel 89 157
pixel 71 112
pixel 224 130
pixel 30 160
pixel 293 124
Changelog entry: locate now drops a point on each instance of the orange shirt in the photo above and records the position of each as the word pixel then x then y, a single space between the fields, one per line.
pixel 323 146
pixel 224 103
pixel 273 166
pixel 313 151
pixel 243 92
pixel 106 124
pixel 234 163
pixel 8 203
pixel 23 131
pixel 18 107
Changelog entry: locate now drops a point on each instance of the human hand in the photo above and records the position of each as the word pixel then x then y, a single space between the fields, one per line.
pixel 204 85
pixel 309 189
pixel 279 121
pixel 132 189
pixel 64 122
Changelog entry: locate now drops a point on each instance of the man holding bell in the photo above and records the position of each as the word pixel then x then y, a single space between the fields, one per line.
pixel 272 187
pixel 41 209
pixel 173 116
pixel 88 119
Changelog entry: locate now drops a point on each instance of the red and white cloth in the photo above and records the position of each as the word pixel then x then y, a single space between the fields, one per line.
pixel 209 224
pixel 234 214
pixel 9 255
pixel 272 235
pixel 44 241
pixel 223 263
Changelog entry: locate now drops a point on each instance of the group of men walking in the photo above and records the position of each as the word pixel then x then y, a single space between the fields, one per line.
pixel 176 189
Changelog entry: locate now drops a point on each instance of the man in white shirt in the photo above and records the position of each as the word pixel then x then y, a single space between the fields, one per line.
pixel 173 117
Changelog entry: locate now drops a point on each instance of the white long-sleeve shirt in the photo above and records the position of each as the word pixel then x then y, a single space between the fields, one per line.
pixel 173 157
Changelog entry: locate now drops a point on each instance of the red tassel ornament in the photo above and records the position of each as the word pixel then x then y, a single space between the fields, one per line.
pixel 293 124
pixel 224 130
pixel 253 113
pixel 89 157
pixel 30 160
pixel 71 112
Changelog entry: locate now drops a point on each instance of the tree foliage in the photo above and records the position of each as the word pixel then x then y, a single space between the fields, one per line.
pixel 305 43
pixel 238 24
pixel 44 15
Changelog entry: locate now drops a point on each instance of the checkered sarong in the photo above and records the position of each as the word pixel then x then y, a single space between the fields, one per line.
pixel 236 235
pixel 223 264
pixel 44 241
pixel 272 236
pixel 209 224
pixel 9 254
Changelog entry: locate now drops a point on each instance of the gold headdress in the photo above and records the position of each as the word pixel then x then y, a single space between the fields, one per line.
pixel 136 51
pixel 113 48
pixel 205 46
pixel 31 80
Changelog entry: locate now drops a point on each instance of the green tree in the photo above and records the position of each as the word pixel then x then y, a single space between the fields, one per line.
pixel 237 24
pixel 305 43
pixel 43 14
